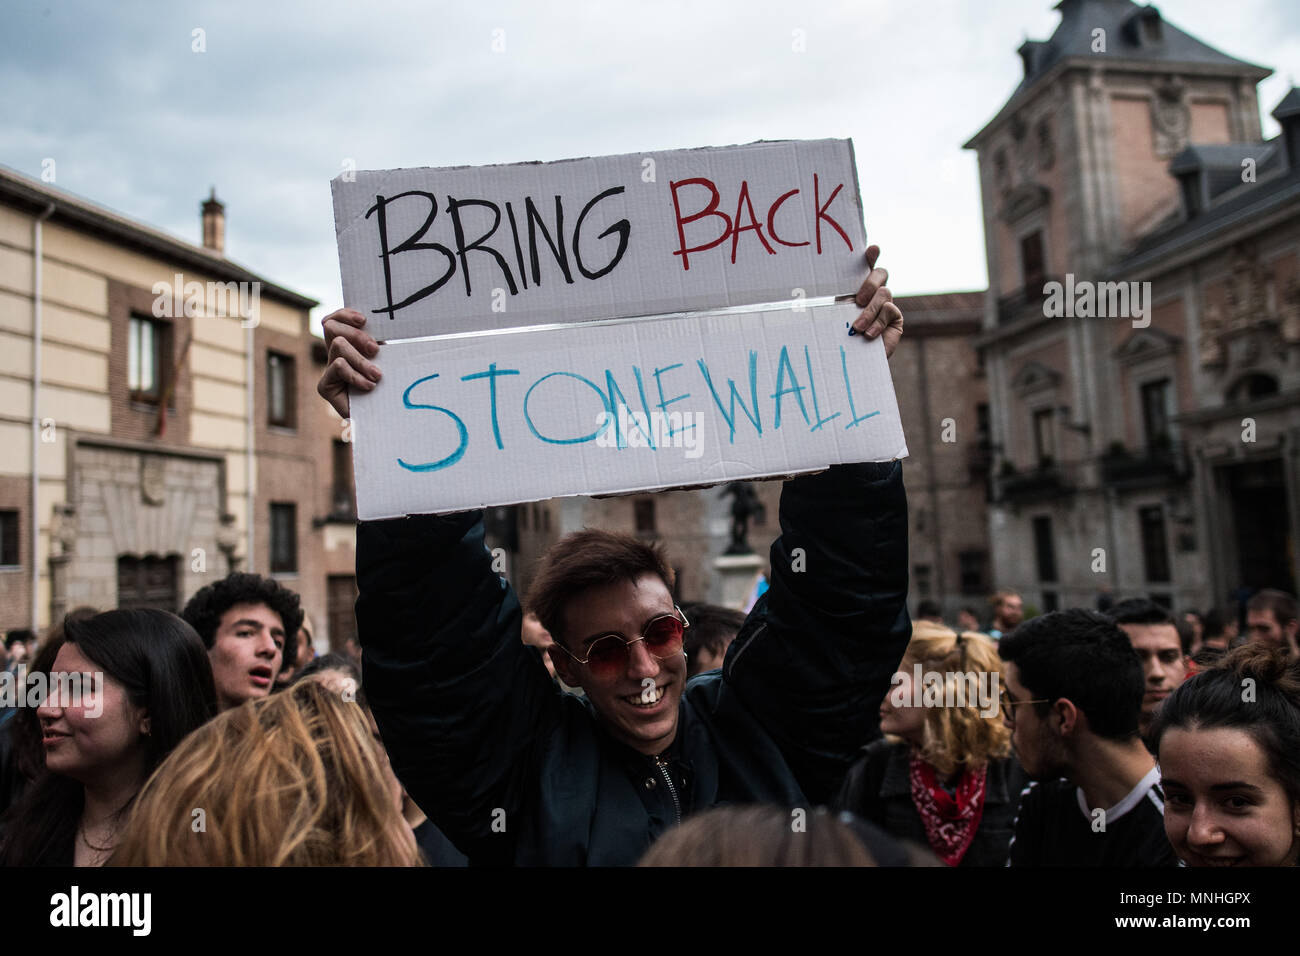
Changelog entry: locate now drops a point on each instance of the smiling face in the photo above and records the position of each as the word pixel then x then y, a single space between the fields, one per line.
pixel 1163 665
pixel 1222 807
pixel 639 704
pixel 94 737
pixel 245 653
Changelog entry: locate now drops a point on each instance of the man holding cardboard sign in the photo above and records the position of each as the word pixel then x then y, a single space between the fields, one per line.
pixel 515 772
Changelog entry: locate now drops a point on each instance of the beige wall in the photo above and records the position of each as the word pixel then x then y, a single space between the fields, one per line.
pixel 79 392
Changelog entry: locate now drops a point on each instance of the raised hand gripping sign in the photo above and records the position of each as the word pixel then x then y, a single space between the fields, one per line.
pixel 643 398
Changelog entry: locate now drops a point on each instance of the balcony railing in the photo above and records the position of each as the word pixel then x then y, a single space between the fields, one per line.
pixel 1159 464
pixel 1047 481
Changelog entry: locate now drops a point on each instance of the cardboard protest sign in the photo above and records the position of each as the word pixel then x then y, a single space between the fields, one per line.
pixel 436 251
pixel 472 421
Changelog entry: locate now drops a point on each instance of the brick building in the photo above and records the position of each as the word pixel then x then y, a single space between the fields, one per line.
pixel 159 418
pixel 1131 153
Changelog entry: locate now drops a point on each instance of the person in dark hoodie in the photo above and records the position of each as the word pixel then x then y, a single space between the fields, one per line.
pixel 515 771
pixel 944 777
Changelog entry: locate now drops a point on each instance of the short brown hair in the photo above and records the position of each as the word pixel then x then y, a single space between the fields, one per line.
pixel 587 559
pixel 741 835
pixel 1280 603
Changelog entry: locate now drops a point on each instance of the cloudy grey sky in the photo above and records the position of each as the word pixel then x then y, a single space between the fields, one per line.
pixel 287 91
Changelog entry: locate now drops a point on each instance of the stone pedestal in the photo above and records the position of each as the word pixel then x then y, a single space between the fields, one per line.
pixel 737 574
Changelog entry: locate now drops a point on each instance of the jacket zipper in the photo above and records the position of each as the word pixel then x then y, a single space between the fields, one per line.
pixel 672 791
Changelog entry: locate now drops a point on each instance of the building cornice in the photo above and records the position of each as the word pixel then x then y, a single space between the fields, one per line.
pixel 31 197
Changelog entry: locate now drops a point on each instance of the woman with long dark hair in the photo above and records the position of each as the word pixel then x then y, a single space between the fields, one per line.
pixel 1228 743
pixel 125 689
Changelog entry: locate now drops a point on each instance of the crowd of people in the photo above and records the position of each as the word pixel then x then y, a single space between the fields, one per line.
pixel 596 722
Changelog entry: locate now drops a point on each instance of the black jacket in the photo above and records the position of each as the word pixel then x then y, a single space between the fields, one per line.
pixel 515 771
pixel 878 788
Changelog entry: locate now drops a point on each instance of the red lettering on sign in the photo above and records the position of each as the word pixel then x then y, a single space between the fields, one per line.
pixel 710 210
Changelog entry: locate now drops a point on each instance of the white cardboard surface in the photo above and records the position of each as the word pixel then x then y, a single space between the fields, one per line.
pixel 772 191
pixel 425 438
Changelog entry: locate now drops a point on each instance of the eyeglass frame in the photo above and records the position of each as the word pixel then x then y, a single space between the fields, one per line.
pixel 1007 704
pixel 676 613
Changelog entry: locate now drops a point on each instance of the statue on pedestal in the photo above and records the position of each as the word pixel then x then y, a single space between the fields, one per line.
pixel 745 505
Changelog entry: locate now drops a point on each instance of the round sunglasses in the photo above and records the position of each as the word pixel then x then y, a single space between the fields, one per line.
pixel 608 654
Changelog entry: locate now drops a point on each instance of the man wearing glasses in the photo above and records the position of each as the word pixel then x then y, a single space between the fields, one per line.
pixel 1072 696
pixel 514 771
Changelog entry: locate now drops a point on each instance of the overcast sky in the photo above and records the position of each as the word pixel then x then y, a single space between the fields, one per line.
pixel 287 91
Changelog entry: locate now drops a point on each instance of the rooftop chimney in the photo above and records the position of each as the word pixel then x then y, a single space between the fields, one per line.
pixel 214 224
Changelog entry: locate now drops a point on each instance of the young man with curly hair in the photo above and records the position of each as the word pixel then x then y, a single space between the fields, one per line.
pixel 246 621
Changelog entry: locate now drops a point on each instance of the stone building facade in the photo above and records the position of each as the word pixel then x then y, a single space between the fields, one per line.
pixel 1142 255
pixel 158 405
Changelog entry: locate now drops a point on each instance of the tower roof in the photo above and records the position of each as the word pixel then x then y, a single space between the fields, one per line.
pixel 1135 35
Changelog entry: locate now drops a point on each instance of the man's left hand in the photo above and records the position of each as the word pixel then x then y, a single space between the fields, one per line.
pixel 879 314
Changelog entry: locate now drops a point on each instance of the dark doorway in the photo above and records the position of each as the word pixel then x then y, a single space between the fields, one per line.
pixel 147 582
pixel 341 599
pixel 1262 523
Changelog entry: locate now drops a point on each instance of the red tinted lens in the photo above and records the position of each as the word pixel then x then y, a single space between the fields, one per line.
pixel 664 637
pixel 607 654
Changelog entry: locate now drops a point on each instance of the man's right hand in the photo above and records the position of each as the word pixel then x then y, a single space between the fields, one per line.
pixel 349 349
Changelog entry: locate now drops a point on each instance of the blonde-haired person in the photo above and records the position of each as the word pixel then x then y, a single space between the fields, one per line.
pixel 944 776
pixel 289 780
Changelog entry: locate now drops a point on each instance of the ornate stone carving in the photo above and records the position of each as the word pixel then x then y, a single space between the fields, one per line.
pixel 63 531
pixel 153 487
pixel 1247 304
pixel 1171 118
pixel 1046 144
pixel 1289 313
pixel 1211 349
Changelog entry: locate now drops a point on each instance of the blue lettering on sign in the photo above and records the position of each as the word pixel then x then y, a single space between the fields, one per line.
pixel 615 407
pixel 730 418
pixel 460 425
pixel 781 366
pixel 491 375
pixel 608 419
pixel 664 404
pixel 844 363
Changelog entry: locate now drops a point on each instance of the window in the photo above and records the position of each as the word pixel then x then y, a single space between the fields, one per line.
pixel 1155 554
pixel 279 390
pixel 1044 552
pixel 146 344
pixel 921 579
pixel 1032 265
pixel 974 580
pixel 1155 414
pixel 1044 437
pixel 983 433
pixel 1252 386
pixel 644 509
pixel 284 538
pixel 342 497
pixel 1051 602
pixel 148 582
pixel 9 538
